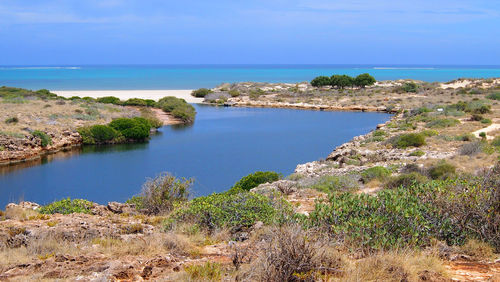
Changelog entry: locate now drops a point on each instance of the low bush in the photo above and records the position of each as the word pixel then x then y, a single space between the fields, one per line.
pixel 178 107
pixel 442 170
pixel 377 172
pixel 162 193
pixel 109 100
pixel 255 179
pixel 496 141
pixel 139 102
pixel 11 120
pixel 334 183
pixel 234 93
pixel 226 210
pixel 292 254
pixel 404 141
pixel 209 271
pixel 417 153
pixel 494 96
pixel 471 149
pixel 406 180
pixel 430 133
pixel 410 87
pixel 67 206
pixel 44 137
pixel 200 93
pixel 486 121
pixel 442 123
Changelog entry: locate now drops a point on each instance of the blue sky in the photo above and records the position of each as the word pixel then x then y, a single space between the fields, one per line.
pixel 69 32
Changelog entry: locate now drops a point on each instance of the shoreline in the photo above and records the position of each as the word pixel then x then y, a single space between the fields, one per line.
pixel 128 94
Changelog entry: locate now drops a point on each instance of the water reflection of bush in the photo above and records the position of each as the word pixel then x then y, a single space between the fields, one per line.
pixel 90 149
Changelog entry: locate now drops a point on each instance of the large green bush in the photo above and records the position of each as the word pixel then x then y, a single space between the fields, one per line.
pixel 178 107
pixel 377 172
pixel 200 93
pixel 364 80
pixel 408 140
pixel 44 137
pixel 255 179
pixel 103 133
pixel 226 210
pixel 109 100
pixel 67 206
pixel 320 81
pixel 341 81
pixel 453 210
pixel 410 87
pixel 132 128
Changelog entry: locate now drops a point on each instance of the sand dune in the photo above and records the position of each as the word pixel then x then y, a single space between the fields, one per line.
pixel 127 94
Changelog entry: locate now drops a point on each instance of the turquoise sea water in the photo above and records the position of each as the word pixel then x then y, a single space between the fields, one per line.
pixel 193 76
pixel 223 145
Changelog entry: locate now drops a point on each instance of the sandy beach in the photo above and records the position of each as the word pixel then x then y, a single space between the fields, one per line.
pixel 127 94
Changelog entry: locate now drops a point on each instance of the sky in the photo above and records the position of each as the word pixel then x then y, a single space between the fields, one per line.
pixel 425 32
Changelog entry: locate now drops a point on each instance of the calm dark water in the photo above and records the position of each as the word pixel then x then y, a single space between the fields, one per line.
pixel 223 145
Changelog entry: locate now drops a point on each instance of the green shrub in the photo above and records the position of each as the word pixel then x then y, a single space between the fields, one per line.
pixel 417 153
pixel 410 87
pixel 186 113
pixel 225 210
pixel 140 102
pixel 209 271
pixel 442 123
pixel 44 137
pixel 364 80
pixel 341 81
pixel 234 93
pixel 408 140
pixel 132 128
pixel 178 107
pixel 482 135
pixel 334 183
pixel 103 133
pixel 255 179
pixel 486 121
pixel 67 206
pixel 376 172
pixel 321 81
pixel 476 117
pixel 11 120
pixel 430 133
pixel 86 135
pixel 494 96
pixel 162 193
pixel 406 180
pixel 496 141
pixel 379 133
pixel 442 170
pixel 200 93
pixel 109 100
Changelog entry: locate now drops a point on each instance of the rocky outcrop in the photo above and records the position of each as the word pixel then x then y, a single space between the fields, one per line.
pixel 14 149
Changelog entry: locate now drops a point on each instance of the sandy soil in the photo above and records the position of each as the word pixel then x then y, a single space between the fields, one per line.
pixel 127 94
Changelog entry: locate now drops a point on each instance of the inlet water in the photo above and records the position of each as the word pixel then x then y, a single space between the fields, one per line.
pixel 223 145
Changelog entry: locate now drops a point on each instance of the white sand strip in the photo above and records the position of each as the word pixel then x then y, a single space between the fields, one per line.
pixel 127 94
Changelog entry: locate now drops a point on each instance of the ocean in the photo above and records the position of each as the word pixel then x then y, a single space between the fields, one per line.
pixel 148 77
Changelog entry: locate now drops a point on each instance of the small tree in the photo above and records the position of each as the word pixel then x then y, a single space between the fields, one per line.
pixel 320 81
pixel 364 80
pixel 160 194
pixel 341 81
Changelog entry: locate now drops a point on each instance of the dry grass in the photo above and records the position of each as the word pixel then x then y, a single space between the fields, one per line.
pixel 397 266
pixel 478 250
pixel 51 115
